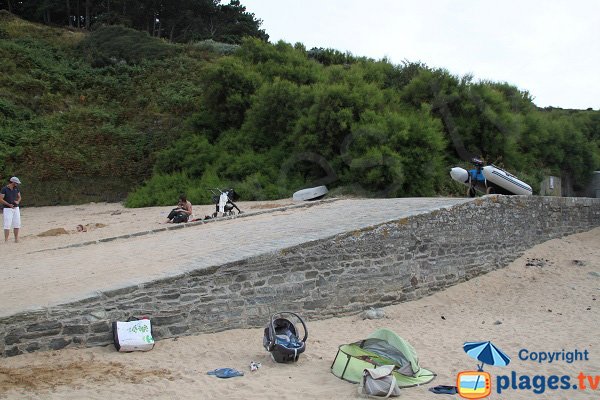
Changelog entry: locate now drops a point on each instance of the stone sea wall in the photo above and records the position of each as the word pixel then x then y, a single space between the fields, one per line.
pixel 380 265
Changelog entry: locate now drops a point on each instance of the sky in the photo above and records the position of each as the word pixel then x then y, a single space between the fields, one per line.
pixel 549 48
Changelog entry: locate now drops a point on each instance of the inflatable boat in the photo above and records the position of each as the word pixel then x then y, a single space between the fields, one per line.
pixel 489 180
pixel 505 182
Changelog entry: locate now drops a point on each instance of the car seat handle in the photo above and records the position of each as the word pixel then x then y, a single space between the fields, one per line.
pixel 272 326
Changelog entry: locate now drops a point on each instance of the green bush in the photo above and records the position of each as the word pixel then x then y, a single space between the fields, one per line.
pixel 220 48
pixel 8 109
pixel 111 45
pixel 161 190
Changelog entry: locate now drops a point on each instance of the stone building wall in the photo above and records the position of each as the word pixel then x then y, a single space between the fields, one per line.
pixel 378 265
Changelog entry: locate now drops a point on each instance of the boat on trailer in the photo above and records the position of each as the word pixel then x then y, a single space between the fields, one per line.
pixel 502 181
pixel 489 180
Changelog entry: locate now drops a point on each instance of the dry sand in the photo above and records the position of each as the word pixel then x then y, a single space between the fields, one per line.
pixel 51 227
pixel 547 300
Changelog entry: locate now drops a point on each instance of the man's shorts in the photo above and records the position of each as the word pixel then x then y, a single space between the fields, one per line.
pixel 12 218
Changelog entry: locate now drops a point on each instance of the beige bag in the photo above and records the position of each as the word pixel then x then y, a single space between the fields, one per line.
pixel 379 382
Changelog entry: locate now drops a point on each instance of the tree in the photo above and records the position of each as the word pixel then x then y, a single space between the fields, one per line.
pixel 228 91
pixel 176 20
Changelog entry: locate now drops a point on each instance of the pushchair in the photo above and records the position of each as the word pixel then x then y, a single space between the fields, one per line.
pixel 281 338
pixel 224 202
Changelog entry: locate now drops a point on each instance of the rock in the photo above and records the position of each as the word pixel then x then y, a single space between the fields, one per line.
pixel 536 262
pixel 374 313
pixel 96 316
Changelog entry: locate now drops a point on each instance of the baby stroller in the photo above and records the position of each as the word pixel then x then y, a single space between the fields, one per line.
pixel 224 202
pixel 281 338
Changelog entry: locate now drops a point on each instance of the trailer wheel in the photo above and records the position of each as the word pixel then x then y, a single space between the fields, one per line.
pixel 471 192
pixel 490 190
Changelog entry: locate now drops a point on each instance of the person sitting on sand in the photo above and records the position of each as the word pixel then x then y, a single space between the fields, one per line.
pixel 182 212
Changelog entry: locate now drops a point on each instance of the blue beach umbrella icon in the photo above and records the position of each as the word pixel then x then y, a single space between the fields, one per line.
pixel 487 353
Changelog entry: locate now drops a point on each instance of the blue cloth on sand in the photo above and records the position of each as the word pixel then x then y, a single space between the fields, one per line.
pixel 442 389
pixel 225 373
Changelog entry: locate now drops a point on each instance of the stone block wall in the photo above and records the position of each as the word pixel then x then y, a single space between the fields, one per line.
pixel 380 265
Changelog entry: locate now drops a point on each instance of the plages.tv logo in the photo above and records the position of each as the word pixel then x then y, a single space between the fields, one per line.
pixel 474 384
pixel 478 384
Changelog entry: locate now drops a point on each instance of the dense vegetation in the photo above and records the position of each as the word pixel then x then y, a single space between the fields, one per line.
pixel 179 21
pixel 116 113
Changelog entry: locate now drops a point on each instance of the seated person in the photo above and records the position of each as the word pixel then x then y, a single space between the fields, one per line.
pixel 182 212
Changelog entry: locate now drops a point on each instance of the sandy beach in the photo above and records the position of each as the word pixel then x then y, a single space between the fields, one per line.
pixel 545 301
pixel 51 227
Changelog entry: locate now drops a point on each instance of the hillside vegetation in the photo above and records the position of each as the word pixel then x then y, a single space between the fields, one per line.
pixel 117 114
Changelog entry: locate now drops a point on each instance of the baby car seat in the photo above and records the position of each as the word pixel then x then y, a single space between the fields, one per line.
pixel 281 338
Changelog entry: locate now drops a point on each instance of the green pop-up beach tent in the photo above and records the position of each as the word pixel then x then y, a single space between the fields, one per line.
pixel 382 347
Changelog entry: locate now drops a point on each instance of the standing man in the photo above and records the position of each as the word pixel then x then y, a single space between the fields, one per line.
pixel 10 197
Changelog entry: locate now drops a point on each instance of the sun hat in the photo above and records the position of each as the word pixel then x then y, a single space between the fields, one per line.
pixel 16 180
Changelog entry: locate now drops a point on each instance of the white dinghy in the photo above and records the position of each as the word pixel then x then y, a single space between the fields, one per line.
pixel 314 193
pixel 506 181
